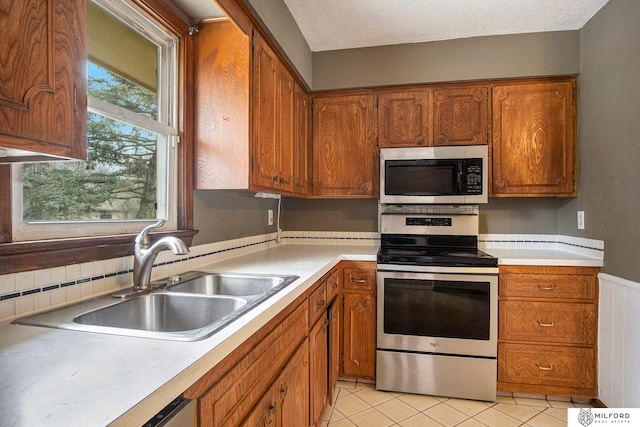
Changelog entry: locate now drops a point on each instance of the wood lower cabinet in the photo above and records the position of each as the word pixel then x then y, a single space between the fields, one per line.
pixel 359 320
pixel 230 391
pixel 43 82
pixel 345 156
pixel 285 403
pixel 319 369
pixel 547 333
pixel 285 373
pixel 534 138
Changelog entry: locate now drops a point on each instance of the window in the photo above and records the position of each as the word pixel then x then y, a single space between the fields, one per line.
pixel 130 177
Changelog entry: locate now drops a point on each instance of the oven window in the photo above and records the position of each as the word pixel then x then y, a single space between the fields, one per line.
pixel 423 178
pixel 434 308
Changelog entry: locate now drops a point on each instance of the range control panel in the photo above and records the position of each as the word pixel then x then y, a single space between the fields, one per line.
pixel 433 222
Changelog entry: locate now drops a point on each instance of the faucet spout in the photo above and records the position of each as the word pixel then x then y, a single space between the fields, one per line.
pixel 145 254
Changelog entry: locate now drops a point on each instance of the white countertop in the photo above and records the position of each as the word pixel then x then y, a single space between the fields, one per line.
pixel 550 257
pixel 67 378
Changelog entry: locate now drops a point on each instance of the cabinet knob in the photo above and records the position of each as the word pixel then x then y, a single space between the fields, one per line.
pixel 334 286
pixel 421 142
pixel 275 178
pixel 365 187
pixel 273 407
pixel 441 140
pixel 320 303
pixel 366 303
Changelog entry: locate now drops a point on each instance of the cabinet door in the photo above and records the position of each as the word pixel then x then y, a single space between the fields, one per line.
pixel 334 349
pixel 285 142
pixel 293 390
pixel 404 119
pixel 264 414
pixel 267 80
pixel 43 87
pixel 460 116
pixel 301 142
pixel 359 335
pixel 534 139
pixel 318 370
pixel 344 150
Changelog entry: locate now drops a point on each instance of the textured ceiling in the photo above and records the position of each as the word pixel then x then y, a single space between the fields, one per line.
pixel 344 24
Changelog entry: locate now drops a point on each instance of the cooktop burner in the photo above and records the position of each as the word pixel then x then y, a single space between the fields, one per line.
pixel 435 257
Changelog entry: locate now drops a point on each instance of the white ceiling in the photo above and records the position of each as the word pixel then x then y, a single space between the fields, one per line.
pixel 345 24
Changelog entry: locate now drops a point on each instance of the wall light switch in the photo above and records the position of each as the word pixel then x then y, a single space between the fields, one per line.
pixel 270 216
pixel 580 220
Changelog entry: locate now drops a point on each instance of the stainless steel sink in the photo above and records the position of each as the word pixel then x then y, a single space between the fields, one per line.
pixel 233 284
pixel 193 306
pixel 163 312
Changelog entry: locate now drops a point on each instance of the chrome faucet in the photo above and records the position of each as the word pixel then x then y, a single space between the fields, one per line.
pixel 145 254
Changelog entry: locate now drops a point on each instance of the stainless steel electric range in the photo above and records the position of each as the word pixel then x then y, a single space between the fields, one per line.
pixel 437 305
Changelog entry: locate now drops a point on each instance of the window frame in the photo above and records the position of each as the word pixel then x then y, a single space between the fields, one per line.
pixel 30 255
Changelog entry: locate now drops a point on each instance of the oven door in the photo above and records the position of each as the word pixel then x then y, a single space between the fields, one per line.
pixel 438 313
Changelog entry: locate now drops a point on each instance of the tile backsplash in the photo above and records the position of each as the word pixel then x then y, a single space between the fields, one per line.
pixel 27 292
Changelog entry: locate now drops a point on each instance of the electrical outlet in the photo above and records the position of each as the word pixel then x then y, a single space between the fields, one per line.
pixel 270 216
pixel 580 220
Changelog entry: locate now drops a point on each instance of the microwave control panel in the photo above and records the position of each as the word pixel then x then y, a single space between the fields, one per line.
pixel 433 222
pixel 474 178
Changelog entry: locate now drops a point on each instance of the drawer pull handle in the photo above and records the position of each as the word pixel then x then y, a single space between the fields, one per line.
pixel 546 288
pixel 546 325
pixel 358 280
pixel 545 368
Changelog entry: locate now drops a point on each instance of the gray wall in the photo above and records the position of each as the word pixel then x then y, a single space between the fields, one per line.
pixel 517 55
pixel 609 129
pixel 275 15
pixel 224 215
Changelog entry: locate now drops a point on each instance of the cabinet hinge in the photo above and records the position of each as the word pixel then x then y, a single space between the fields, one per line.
pixel 309 346
pixel 75 98
pixel 252 163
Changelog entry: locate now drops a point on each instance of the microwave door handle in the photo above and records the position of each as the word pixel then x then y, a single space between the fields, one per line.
pixel 460 167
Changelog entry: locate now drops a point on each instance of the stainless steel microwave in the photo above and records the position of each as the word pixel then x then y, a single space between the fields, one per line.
pixel 434 175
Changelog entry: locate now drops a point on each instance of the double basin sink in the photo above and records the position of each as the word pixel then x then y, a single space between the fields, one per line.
pixel 188 307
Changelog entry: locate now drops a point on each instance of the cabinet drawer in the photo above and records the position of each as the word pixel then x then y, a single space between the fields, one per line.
pixel 568 323
pixel 569 286
pixel 359 279
pixel 317 301
pixel 333 285
pixel 556 366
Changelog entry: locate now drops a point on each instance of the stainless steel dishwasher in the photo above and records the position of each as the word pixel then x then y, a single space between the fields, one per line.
pixel 179 413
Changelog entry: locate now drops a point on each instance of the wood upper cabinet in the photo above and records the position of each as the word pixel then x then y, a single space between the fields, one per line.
pixel 404 119
pixel 452 115
pixel 359 320
pixel 302 129
pixel 547 333
pixel 534 138
pixel 345 157
pixel 272 158
pixel 247 114
pixel 221 87
pixel 43 89
pixel 461 115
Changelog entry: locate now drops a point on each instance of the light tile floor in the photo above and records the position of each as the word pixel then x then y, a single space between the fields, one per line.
pixel 360 404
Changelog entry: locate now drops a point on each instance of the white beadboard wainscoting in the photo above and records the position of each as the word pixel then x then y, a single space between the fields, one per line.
pixel 619 342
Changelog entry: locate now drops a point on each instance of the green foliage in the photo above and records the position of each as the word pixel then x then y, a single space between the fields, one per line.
pixel 119 175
